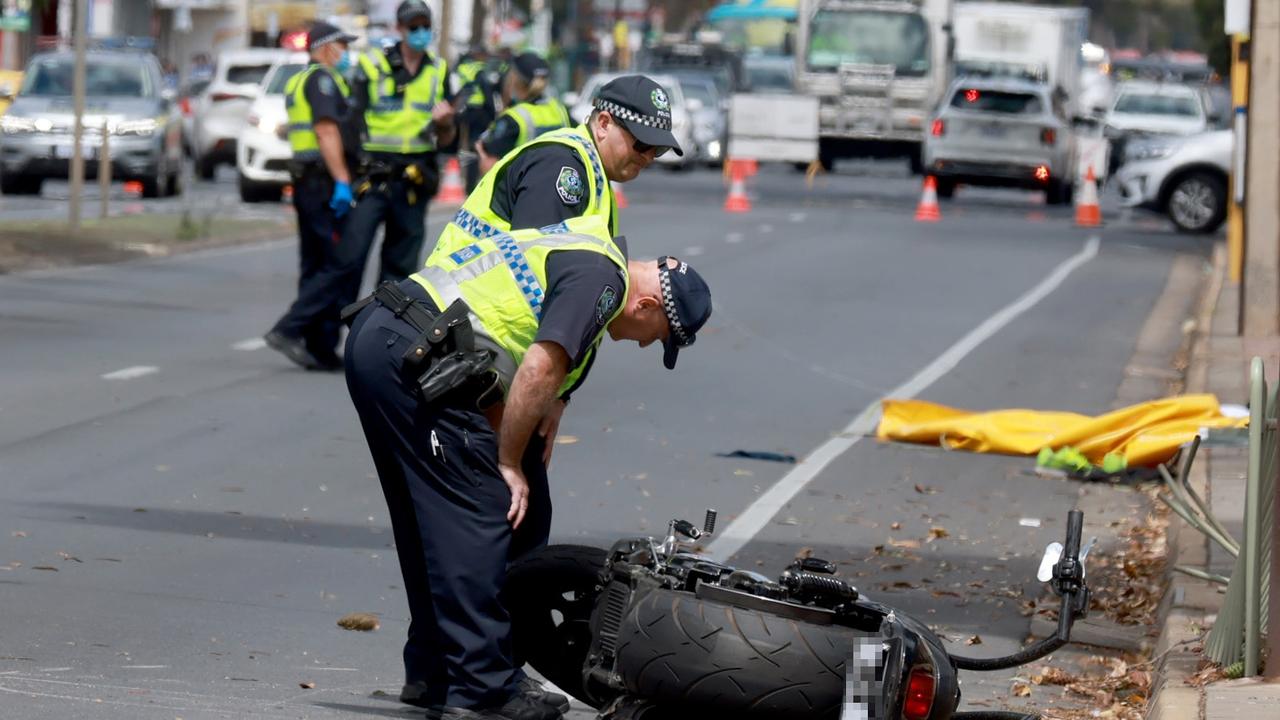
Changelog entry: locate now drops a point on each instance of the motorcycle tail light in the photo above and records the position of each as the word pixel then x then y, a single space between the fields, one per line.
pixel 919 699
pixel 939 128
pixel 1048 136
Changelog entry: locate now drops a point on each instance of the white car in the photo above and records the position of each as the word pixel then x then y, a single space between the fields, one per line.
pixel 1144 108
pixel 219 112
pixel 1185 177
pixel 262 153
pixel 579 105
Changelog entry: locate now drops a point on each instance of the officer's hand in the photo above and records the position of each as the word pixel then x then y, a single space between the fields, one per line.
pixel 549 426
pixel 442 114
pixel 514 477
pixel 342 198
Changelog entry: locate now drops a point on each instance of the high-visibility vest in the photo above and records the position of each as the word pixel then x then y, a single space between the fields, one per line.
pixel 397 116
pixel 302 132
pixel 537 118
pixel 503 277
pixel 476 219
pixel 468 74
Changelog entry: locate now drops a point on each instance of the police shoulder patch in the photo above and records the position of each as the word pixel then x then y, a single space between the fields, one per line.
pixel 324 84
pixel 569 186
pixel 606 304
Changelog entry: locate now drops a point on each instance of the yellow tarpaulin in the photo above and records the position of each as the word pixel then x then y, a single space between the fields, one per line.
pixel 1146 434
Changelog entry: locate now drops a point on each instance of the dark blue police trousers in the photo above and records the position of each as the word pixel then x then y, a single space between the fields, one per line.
pixel 406 227
pixel 438 466
pixel 313 316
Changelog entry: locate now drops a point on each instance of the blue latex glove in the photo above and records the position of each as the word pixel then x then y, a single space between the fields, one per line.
pixel 342 198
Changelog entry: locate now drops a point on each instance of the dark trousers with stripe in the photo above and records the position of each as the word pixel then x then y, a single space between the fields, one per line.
pixel 313 316
pixel 448 504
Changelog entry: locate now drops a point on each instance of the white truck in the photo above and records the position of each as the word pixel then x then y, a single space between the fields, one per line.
pixel 877 69
pixel 1030 42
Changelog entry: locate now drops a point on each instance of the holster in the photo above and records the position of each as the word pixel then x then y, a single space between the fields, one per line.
pixel 443 360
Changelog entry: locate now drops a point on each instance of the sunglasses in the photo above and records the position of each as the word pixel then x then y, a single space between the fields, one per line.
pixel 419 26
pixel 642 147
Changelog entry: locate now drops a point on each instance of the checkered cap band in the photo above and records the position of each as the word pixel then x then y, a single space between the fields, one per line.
pixel 669 305
pixel 630 115
pixel 325 40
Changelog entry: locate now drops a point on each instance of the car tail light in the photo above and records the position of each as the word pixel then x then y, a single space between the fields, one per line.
pixel 253 120
pixel 1042 173
pixel 1048 136
pixel 185 106
pixel 939 128
pixel 219 97
pixel 919 699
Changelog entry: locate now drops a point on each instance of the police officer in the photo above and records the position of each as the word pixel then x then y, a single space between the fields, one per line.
pixel 471 78
pixel 316 103
pixel 529 112
pixel 566 173
pixel 402 96
pixel 460 375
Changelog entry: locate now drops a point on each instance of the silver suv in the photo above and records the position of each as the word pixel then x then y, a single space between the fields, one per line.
pixel 124 94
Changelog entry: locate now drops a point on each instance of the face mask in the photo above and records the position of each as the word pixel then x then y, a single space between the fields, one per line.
pixel 420 39
pixel 344 62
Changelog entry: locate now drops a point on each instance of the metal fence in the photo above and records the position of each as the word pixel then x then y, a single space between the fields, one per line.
pixel 1242 622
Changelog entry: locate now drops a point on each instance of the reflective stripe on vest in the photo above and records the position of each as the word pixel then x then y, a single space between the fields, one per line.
pixel 501 278
pixel 537 118
pixel 477 219
pixel 396 120
pixel 302 132
pixel 468 72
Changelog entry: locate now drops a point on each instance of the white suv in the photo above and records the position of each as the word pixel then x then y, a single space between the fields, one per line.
pixel 262 153
pixel 221 109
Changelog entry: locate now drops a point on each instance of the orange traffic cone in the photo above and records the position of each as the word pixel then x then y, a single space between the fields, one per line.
pixel 737 200
pixel 927 210
pixel 1088 214
pixel 619 198
pixel 451 190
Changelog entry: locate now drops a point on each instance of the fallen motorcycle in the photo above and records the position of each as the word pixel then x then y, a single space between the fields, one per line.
pixel 651 630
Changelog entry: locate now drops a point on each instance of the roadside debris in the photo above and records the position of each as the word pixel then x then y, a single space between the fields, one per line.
pixel 760 455
pixel 364 622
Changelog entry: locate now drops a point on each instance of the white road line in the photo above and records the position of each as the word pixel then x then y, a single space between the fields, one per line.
pixel 130 373
pixel 796 217
pixel 733 237
pixel 693 251
pixel 757 515
pixel 144 667
pixel 249 345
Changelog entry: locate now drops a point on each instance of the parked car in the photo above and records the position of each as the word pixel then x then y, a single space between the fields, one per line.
pixel 1002 132
pixel 579 105
pixel 1184 177
pixel 1145 108
pixel 187 94
pixel 262 154
pixel 220 111
pixel 124 95
pixel 709 113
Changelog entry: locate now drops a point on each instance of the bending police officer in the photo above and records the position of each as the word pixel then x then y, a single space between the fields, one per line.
pixel 460 375
pixel 316 104
pixel 401 96
pixel 529 112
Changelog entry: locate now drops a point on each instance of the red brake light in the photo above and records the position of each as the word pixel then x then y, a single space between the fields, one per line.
pixel 971 95
pixel 185 105
pixel 219 97
pixel 1042 173
pixel 1048 136
pixel 939 128
pixel 919 699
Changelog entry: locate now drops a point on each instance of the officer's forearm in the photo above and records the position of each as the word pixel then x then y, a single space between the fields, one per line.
pixel 330 140
pixel 536 383
pixel 445 134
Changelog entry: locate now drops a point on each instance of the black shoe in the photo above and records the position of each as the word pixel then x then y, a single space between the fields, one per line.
pixel 524 706
pixel 534 689
pixel 415 693
pixel 293 348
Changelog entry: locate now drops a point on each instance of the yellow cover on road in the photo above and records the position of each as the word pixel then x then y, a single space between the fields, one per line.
pixel 1146 434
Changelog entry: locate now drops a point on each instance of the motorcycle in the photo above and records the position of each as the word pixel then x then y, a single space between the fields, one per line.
pixel 651 630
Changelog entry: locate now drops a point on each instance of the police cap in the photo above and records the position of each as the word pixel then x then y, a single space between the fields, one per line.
pixel 322 33
pixel 642 106
pixel 530 66
pixel 410 10
pixel 686 300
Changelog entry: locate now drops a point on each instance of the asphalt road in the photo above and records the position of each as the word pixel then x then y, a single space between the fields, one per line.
pixel 184 515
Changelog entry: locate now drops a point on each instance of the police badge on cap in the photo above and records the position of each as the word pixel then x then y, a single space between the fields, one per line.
pixel 642 106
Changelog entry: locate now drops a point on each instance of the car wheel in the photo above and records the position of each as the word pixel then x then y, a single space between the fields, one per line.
pixel 916 162
pixel 1198 203
pixel 205 168
pixel 151 187
pixel 20 185
pixel 172 184
pixel 1057 193
pixel 946 189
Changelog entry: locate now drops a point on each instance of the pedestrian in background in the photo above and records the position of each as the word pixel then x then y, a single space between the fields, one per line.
pixel 401 96
pixel 316 104
pixel 471 77
pixel 463 466
pixel 530 112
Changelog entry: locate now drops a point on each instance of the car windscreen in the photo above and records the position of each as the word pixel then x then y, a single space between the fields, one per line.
pixel 995 101
pixel 247 74
pixel 281 78
pixel 1152 104
pixel 52 77
pixel 869 37
pixel 699 90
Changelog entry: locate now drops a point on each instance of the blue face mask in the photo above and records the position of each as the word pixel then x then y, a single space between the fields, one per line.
pixel 344 62
pixel 420 39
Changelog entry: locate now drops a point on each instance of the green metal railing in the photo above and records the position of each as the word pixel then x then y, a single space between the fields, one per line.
pixel 1242 622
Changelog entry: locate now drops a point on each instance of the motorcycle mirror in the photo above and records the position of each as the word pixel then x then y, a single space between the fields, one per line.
pixel 1052 554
